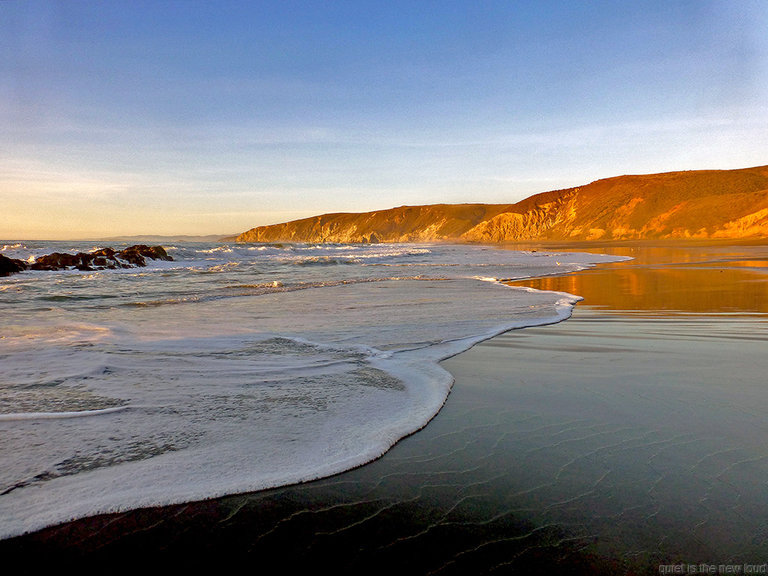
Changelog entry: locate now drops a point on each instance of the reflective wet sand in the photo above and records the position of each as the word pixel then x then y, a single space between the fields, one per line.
pixel 669 278
pixel 631 437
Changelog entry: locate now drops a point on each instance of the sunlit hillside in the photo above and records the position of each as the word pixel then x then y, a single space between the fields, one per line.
pixel 703 204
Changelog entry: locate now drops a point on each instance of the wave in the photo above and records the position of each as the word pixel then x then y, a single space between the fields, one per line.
pixel 323 261
pixel 217 249
pixel 261 289
pixel 264 379
pixel 302 410
pixel 47 332
pixel 58 415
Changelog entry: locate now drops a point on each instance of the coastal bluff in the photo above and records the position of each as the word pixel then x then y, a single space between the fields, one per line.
pixel 696 205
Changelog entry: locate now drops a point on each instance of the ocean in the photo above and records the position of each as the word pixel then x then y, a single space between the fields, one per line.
pixel 236 367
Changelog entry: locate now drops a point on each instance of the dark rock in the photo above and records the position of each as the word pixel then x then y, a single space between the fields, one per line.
pixel 10 266
pixel 105 252
pixel 99 259
pixel 132 255
pixel 136 254
pixel 57 261
pixel 159 253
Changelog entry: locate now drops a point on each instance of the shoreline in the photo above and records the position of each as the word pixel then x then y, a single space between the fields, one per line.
pixel 298 453
pixel 430 483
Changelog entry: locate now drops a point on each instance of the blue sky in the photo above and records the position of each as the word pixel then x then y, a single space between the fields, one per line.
pixel 213 117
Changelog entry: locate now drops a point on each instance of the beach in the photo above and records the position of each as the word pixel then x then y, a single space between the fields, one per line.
pixel 626 439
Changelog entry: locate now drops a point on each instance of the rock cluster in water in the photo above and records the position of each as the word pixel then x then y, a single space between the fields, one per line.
pixel 101 259
pixel 10 266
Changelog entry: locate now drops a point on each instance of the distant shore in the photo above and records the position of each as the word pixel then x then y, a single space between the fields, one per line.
pixel 628 437
pixel 690 204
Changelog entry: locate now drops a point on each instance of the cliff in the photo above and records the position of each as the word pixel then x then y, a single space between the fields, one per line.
pixel 701 204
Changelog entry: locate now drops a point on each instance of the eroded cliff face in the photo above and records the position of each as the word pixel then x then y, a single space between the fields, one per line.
pixel 440 222
pixel 532 224
pixel 676 205
pixel 706 204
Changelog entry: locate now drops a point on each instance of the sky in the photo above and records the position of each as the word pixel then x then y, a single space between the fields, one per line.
pixel 199 117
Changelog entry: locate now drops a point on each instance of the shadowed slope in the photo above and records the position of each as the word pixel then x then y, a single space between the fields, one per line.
pixel 702 204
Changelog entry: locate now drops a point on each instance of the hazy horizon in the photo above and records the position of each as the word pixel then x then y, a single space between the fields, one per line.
pixel 190 118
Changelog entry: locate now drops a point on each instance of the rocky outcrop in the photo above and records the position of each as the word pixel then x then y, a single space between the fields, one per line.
pixel 699 204
pixel 60 261
pixel 104 258
pixel 10 266
pixel 137 254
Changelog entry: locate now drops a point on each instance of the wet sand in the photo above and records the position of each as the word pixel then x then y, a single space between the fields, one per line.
pixel 630 437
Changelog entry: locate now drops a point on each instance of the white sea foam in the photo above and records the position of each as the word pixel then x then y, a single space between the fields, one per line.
pixel 58 415
pixel 226 249
pixel 270 373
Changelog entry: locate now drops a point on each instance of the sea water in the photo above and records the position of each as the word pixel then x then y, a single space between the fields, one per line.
pixel 236 367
